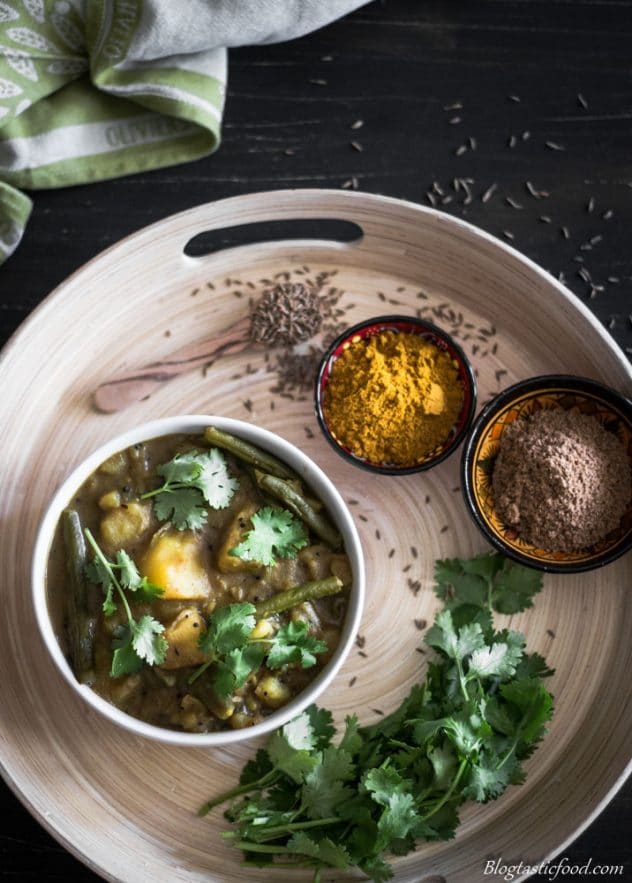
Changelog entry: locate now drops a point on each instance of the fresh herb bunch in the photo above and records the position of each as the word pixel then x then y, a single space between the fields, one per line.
pixel 192 481
pixel 138 641
pixel 274 531
pixel 460 735
pixel 235 654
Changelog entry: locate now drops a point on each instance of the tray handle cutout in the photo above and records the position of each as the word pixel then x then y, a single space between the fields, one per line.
pixel 313 229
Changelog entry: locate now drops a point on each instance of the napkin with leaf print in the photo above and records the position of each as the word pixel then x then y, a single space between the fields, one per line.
pixel 95 89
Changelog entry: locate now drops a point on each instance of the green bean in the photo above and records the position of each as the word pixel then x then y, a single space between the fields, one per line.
pixel 311 591
pixel 301 507
pixel 82 625
pixel 251 454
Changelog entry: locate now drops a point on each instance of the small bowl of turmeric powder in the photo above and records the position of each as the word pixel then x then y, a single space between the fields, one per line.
pixel 395 395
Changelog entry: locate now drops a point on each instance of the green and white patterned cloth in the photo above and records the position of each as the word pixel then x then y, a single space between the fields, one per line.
pixel 96 89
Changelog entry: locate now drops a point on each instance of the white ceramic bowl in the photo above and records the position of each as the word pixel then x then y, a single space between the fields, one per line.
pixel 301 464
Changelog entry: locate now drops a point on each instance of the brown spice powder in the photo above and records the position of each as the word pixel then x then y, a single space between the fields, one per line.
pixel 561 480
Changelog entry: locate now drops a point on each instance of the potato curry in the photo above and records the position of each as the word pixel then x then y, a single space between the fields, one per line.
pixel 196 583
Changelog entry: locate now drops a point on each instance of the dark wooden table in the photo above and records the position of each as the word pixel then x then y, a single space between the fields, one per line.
pixel 529 103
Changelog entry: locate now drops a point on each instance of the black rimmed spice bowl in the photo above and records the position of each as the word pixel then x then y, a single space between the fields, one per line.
pixel 395 395
pixel 546 473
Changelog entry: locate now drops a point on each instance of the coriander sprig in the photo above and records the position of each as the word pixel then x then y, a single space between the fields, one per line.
pixel 192 481
pixel 274 531
pixel 138 641
pixel 235 654
pixel 462 734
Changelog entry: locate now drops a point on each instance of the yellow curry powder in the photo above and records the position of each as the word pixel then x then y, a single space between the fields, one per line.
pixel 393 397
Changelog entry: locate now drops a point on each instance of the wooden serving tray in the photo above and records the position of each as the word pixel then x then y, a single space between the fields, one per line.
pixel 126 806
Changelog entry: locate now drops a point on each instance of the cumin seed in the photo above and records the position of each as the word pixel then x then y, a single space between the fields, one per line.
pixel 581 100
pixel 489 192
pixel 553 145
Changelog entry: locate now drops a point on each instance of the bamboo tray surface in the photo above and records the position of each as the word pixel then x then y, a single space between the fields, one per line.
pixel 125 806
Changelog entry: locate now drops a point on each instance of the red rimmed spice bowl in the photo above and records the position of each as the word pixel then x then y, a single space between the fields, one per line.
pixel 395 395
pixel 560 405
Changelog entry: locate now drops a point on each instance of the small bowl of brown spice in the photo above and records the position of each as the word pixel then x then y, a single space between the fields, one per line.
pixel 395 395
pixel 547 473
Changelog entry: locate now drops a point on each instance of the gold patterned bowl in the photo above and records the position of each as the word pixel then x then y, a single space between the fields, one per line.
pixel 551 392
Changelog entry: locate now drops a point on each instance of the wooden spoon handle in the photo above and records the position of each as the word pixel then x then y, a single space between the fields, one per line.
pixel 132 386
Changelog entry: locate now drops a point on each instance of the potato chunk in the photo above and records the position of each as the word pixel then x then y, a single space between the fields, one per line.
pixel 273 692
pixel 182 637
pixel 235 533
pixel 174 562
pixel 125 525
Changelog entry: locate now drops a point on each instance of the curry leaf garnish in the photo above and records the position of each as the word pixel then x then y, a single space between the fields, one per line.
pixel 235 654
pixel 138 641
pixel 462 734
pixel 192 482
pixel 274 531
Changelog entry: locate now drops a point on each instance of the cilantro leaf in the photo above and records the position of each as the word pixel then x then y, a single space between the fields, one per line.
pixel 535 704
pixel 293 643
pixel 398 820
pixel 191 482
pixel 294 762
pixel 99 572
pixel 498 659
pixel 148 640
pixel 125 659
pixel 488 580
pixel 274 532
pixel 182 469
pixel 233 670
pixel 487 779
pixel 131 579
pixel 321 722
pixel 456 645
pixel 324 786
pixel 325 850
pixel 351 741
pixel 214 480
pixel 183 507
pixel 443 760
pixel 299 732
pixel 515 587
pixel 228 628
pixel 109 605
pixel 128 572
